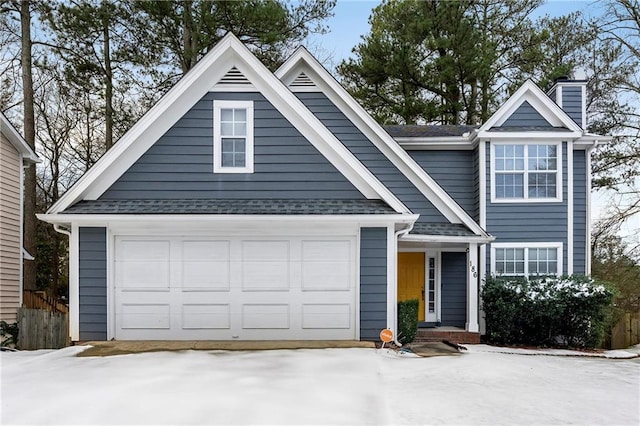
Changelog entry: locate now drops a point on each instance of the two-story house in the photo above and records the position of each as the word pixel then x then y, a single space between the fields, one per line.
pixel 255 205
pixel 15 156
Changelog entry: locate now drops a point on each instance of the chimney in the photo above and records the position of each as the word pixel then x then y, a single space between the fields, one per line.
pixel 571 96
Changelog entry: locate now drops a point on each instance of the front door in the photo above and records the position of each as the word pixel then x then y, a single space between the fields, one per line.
pixel 411 279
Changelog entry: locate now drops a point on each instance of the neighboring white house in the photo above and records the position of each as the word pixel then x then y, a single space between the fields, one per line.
pixel 15 156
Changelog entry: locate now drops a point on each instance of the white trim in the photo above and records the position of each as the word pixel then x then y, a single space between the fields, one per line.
pixel 392 281
pixel 526 199
pixel 302 60
pixel 189 90
pixel 74 284
pixel 218 105
pixel 111 283
pixel 570 208
pixel 584 107
pixel 21 238
pixel 588 219
pixel 559 96
pixel 557 245
pixel 357 282
pixel 530 92
pixel 19 143
pixel 472 289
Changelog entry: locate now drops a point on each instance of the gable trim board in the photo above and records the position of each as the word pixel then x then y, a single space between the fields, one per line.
pixel 229 52
pixel 548 109
pixel 303 61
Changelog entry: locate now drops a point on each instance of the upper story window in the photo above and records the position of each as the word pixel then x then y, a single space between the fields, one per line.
pixel 526 259
pixel 233 136
pixel 526 173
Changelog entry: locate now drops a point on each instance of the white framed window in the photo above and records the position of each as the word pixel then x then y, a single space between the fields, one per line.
pixel 526 259
pixel 526 172
pixel 232 136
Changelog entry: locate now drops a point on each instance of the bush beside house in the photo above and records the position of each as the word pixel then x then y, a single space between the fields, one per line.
pixel 547 311
pixel 407 320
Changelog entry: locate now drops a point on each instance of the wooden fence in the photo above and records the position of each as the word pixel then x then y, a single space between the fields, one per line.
pixel 627 332
pixel 42 329
pixel 40 300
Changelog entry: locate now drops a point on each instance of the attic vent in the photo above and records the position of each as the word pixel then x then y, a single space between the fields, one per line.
pixel 234 76
pixel 302 80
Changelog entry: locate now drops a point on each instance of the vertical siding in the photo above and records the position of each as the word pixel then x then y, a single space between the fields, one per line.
pixel 572 102
pixel 579 212
pixel 370 156
pixel 10 218
pixel 180 164
pixel 454 289
pixel 373 282
pixel 454 172
pixel 526 115
pixel 528 222
pixel 93 283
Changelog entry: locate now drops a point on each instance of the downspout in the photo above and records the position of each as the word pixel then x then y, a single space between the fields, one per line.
pixel 60 229
pixel 399 234
pixel 588 218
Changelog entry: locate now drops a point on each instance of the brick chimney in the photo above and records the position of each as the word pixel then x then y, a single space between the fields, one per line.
pixel 571 96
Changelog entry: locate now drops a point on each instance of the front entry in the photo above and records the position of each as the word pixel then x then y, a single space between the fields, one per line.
pixel 411 279
pixel 419 278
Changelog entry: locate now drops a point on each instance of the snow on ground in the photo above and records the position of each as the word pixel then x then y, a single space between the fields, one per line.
pixel 318 386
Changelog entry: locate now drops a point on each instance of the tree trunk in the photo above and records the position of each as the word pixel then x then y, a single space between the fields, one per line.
pixel 108 90
pixel 30 220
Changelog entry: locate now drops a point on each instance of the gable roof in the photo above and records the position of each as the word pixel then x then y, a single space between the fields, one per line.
pixel 303 62
pixel 229 54
pixel 17 140
pixel 548 110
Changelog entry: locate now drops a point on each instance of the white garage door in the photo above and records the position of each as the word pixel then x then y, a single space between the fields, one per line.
pixel 235 288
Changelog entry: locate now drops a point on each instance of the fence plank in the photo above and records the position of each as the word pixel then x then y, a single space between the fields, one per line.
pixel 41 329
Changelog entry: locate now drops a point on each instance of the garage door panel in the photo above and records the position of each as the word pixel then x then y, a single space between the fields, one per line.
pixel 326 250
pixel 206 316
pixel 143 249
pixel 206 265
pixel 326 276
pixel 143 275
pixel 145 316
pixel 264 316
pixel 322 316
pixel 265 276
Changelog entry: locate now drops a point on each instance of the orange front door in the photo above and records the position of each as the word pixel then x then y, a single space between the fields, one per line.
pixel 411 279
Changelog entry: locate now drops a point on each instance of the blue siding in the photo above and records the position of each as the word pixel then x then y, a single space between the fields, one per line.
pixel 371 157
pixel 572 102
pixel 180 164
pixel 454 289
pixel 528 222
pixel 579 212
pixel 526 115
pixel 476 185
pixel 93 283
pixel 373 282
pixel 454 172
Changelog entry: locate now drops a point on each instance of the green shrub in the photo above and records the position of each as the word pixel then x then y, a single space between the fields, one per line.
pixel 546 311
pixel 8 334
pixel 407 320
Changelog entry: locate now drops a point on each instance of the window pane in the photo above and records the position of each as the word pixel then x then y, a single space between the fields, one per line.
pixel 240 129
pixel 240 115
pixel 226 129
pixel 227 160
pixel 233 152
pixel 542 185
pixel 226 114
